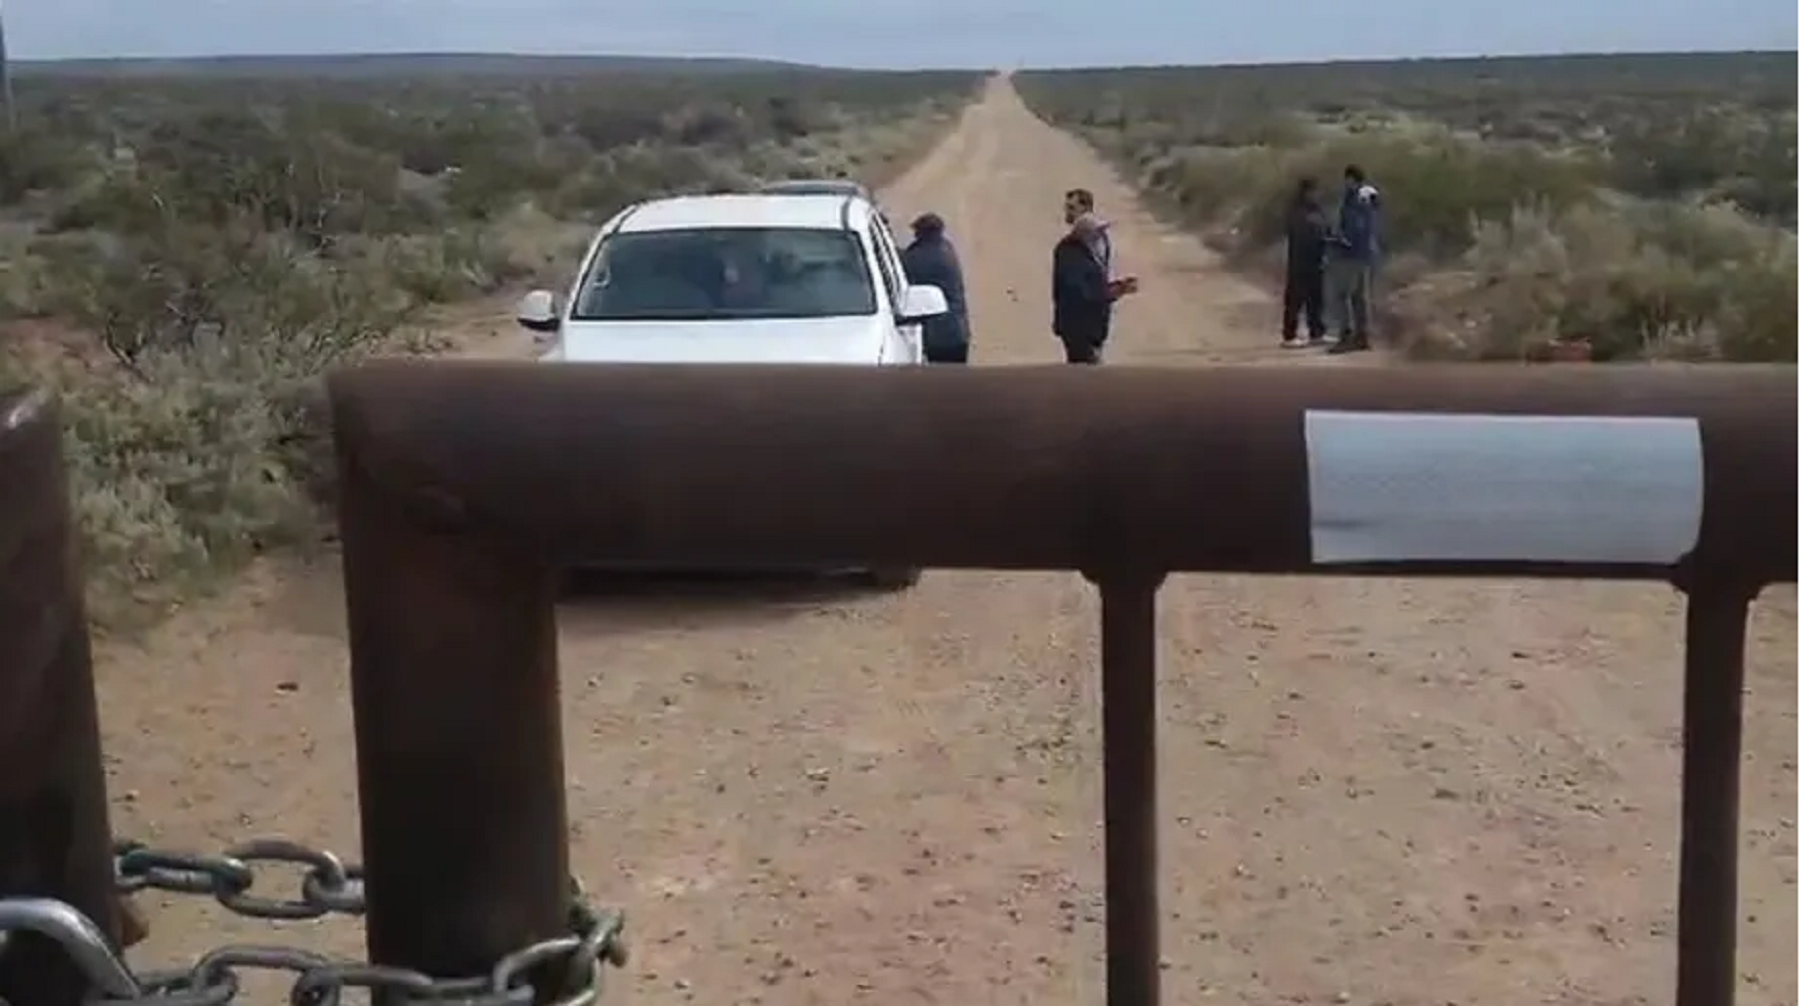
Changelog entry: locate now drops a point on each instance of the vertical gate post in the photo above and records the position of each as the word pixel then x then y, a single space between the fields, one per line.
pixel 1712 738
pixel 458 731
pixel 55 840
pixel 1128 726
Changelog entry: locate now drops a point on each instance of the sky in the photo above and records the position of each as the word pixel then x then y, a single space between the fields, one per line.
pixel 892 33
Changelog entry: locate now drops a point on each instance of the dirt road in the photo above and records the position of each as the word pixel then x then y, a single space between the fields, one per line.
pixel 1405 793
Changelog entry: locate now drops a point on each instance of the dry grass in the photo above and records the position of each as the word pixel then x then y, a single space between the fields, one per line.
pixel 182 258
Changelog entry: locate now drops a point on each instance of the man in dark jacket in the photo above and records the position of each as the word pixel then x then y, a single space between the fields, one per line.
pixel 1354 256
pixel 1308 233
pixel 931 261
pixel 1080 293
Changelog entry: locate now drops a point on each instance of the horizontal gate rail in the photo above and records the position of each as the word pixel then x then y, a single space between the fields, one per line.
pixel 1177 470
pixel 54 836
pixel 463 483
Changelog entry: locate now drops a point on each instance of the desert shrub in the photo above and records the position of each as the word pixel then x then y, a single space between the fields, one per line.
pixel 179 440
pixel 1746 160
pixel 199 255
pixel 1634 281
pixel 1435 186
pixel 34 160
pixel 1642 204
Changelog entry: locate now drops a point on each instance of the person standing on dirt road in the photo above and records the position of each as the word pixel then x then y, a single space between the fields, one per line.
pixel 1081 296
pixel 1082 290
pixel 1308 234
pixel 931 261
pixel 1355 253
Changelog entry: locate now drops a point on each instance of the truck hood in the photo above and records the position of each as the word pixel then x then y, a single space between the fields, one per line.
pixel 775 340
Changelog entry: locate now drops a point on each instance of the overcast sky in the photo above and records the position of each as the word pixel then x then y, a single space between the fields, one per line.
pixel 985 33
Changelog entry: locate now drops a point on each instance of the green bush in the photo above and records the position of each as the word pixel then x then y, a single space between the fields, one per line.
pixel 1635 281
pixel 178 440
pixel 202 254
pixel 1641 204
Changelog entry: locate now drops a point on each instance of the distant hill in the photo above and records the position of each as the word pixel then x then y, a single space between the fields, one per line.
pixel 1765 78
pixel 1602 65
pixel 408 65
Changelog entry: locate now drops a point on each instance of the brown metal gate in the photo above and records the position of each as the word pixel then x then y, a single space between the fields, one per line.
pixel 464 484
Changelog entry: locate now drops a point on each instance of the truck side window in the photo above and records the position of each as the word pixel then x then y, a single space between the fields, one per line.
pixel 892 273
pixel 897 278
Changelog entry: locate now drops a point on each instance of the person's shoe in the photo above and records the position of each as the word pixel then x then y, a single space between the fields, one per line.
pixel 1293 342
pixel 1316 341
pixel 1342 346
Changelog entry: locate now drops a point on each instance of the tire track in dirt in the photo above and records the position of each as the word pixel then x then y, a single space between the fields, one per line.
pixel 807 796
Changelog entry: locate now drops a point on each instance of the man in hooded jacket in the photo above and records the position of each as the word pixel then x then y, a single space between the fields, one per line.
pixel 1303 295
pixel 931 261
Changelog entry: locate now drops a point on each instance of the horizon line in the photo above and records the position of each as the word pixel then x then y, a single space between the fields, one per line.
pixel 19 59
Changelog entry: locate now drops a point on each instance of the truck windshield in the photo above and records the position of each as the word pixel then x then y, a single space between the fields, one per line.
pixel 726 273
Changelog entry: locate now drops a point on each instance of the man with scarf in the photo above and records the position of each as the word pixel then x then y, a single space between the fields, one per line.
pixel 1354 257
pixel 1081 283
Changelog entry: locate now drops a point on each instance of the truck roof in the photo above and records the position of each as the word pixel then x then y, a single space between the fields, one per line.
pixel 821 211
pixel 818 186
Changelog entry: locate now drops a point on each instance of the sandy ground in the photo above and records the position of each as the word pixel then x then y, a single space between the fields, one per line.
pixel 1404 793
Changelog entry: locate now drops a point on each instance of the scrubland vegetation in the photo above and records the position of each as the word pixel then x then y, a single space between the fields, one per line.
pixel 183 253
pixel 183 249
pixel 1635 206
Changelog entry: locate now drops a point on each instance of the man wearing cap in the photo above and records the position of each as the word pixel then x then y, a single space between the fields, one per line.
pixel 931 261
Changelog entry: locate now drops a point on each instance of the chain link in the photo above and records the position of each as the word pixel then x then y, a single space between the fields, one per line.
pixel 327 886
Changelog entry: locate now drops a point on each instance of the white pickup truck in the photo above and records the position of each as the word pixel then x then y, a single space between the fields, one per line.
pixel 794 278
pixel 740 278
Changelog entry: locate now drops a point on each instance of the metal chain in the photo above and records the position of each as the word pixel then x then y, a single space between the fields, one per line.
pixel 327 886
